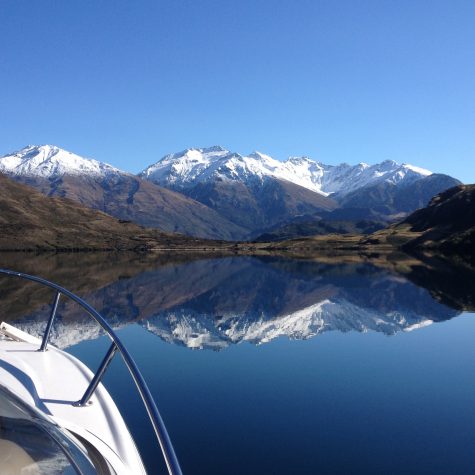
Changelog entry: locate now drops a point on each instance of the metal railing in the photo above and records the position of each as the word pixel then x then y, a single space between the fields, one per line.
pixel 147 399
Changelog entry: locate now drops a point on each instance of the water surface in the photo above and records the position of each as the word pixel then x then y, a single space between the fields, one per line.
pixel 277 366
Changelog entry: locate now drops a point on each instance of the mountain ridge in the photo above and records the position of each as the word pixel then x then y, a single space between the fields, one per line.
pixel 247 189
pixel 217 194
pixel 184 169
pixel 98 185
pixel 51 161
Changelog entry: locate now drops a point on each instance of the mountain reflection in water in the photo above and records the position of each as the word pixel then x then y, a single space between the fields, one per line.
pixel 211 303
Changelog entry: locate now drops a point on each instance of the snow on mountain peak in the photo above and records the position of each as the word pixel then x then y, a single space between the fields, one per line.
pixel 187 168
pixel 214 148
pixel 208 152
pixel 194 165
pixel 419 170
pixel 260 156
pixel 388 163
pixel 299 160
pixel 47 161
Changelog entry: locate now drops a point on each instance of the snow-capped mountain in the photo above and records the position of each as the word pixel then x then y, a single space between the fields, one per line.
pixel 47 161
pixel 200 165
pixel 263 194
pixel 57 172
pixel 218 194
pixel 254 191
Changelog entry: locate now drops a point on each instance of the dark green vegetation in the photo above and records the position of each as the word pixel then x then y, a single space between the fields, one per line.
pixel 335 222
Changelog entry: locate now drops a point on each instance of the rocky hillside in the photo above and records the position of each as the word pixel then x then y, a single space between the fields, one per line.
pixel 447 224
pixel 258 206
pixel 261 193
pixel 31 221
pixel 186 169
pixel 56 172
pixel 213 193
pixel 389 199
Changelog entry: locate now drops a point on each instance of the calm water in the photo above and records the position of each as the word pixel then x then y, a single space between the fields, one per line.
pixel 273 366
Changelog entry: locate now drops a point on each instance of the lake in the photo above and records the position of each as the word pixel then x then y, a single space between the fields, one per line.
pixel 266 365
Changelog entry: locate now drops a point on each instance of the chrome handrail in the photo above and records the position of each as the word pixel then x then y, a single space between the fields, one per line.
pixel 155 418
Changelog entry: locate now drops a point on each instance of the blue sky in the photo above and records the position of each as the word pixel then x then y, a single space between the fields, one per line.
pixel 338 80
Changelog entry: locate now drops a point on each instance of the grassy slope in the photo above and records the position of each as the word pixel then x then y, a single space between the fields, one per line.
pixel 142 202
pixel 31 221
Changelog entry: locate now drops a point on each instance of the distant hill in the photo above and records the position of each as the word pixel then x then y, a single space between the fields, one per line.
pixel 31 221
pixel 445 226
pixel 338 221
pixel 311 227
pixel 388 198
pixel 364 211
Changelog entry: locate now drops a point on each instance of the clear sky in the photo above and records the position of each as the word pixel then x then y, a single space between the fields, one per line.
pixel 127 81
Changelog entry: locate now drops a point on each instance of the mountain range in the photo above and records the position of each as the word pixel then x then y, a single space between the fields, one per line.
pixel 56 172
pixel 193 166
pixel 218 194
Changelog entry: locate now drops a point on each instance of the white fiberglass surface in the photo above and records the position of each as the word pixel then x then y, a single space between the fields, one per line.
pixel 28 446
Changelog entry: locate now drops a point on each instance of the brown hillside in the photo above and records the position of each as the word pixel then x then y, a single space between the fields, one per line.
pixel 130 198
pixel 31 221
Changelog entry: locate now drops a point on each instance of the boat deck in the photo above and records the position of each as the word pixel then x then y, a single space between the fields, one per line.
pixel 52 381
